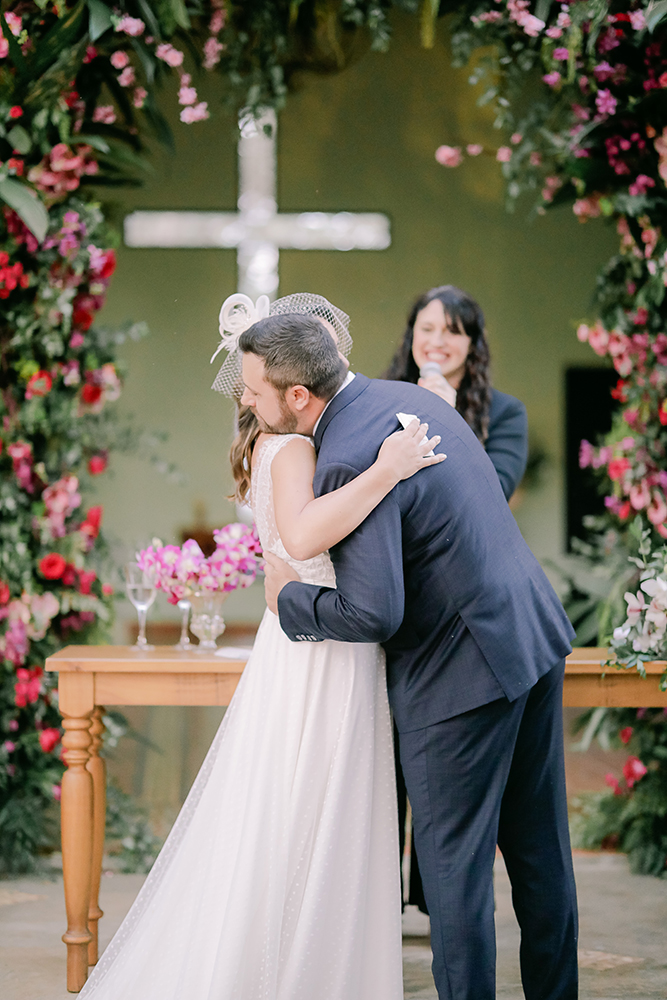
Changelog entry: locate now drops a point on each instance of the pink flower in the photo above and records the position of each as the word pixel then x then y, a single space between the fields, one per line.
pixel 637 19
pixel 197 113
pixel 212 52
pixel 139 97
pixel 449 156
pixel 554 32
pixel 474 149
pixel 581 113
pixel 133 26
pixel 625 735
pixel 605 102
pixel 187 95
pixel 105 114
pixel 9 746
pixel 603 71
pixel 617 468
pixel 657 511
pixel 119 59
pixel 76 340
pixel 127 77
pixel 561 54
pixel 504 154
pixel 173 57
pixel 586 208
pixel 640 495
pixel 552 79
pixel 516 138
pixel 586 454
pixel 56 791
pixel 535 159
pixel 641 185
pixel 633 771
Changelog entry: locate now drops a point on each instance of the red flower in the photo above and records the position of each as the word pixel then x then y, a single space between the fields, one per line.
pixel 27 687
pixel 107 589
pixel 625 735
pixel 16 165
pixel 86 580
pixel 39 384
pixel 48 739
pixel 91 394
pixel 52 566
pixel 662 413
pixel 69 576
pixel 82 318
pixel 16 112
pixel 633 770
pixel 91 526
pixel 625 510
pixel 617 467
pixel 613 783
pixel 97 463
pixel 4 592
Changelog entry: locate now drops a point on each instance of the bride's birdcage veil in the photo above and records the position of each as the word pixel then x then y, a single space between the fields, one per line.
pixel 239 312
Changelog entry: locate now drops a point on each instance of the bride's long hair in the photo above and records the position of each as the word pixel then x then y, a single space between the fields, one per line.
pixel 240 453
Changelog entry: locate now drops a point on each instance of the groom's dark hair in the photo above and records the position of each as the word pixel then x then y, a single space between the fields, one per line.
pixel 296 350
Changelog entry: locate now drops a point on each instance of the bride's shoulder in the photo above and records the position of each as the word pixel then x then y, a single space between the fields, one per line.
pixel 291 446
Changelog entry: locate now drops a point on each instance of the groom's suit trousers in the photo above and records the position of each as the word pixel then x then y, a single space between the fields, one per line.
pixel 496 775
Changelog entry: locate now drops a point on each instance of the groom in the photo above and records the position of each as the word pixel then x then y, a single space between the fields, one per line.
pixel 475 640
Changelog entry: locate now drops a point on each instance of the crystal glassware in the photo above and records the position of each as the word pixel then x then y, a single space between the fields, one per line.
pixel 140 587
pixel 207 622
pixel 184 607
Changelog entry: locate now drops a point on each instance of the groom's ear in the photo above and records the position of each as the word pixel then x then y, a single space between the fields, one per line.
pixel 297 398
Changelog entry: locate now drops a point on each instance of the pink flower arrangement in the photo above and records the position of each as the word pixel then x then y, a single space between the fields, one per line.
pixel 182 572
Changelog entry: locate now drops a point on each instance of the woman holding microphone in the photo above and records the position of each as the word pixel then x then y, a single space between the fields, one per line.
pixel 444 349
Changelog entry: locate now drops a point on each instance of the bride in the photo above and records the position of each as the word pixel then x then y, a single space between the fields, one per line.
pixel 280 877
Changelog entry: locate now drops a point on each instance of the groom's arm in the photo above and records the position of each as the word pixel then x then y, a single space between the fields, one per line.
pixel 368 602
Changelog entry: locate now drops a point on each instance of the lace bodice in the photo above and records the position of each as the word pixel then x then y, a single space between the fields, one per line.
pixel 319 569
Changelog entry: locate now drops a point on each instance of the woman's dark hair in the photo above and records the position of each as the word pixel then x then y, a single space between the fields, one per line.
pixel 473 398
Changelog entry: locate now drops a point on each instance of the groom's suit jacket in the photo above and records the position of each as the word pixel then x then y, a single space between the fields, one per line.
pixel 438 573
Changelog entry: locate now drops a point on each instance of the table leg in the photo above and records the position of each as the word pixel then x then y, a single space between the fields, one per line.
pixel 97 767
pixel 77 842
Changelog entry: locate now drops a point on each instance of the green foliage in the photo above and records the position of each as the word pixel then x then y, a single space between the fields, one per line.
pixel 130 839
pixel 632 818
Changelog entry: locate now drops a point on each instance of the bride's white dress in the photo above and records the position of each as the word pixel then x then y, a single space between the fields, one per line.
pixel 279 879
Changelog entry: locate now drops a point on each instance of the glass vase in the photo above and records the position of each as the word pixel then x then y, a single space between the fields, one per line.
pixel 207 622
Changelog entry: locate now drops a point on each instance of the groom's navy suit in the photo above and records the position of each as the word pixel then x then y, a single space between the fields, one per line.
pixel 475 639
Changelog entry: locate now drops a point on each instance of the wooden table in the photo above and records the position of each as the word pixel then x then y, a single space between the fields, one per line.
pixel 93 676
pixel 90 677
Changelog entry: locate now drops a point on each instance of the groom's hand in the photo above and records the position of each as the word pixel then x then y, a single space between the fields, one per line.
pixel 278 573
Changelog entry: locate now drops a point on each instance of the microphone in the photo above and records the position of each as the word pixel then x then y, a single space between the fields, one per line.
pixel 430 368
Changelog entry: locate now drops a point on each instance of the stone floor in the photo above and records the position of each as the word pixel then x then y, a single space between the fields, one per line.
pixel 623 920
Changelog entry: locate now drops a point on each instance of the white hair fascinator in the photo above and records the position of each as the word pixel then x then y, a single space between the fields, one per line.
pixel 239 313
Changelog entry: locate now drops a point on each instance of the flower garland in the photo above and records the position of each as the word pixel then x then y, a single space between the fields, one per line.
pixel 594 134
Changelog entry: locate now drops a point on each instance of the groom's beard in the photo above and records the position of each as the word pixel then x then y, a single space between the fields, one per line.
pixel 286 424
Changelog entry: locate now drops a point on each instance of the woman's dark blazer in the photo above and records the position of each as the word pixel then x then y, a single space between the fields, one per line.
pixel 507 442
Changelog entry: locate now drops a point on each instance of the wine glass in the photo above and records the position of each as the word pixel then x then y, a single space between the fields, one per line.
pixel 184 607
pixel 140 587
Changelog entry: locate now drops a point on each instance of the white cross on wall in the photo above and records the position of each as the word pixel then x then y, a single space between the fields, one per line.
pixel 258 231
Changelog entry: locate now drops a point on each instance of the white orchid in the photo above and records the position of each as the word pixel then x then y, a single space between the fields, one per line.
pixel 657 589
pixel 636 604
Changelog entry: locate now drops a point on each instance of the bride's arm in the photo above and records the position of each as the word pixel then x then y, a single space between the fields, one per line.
pixel 310 525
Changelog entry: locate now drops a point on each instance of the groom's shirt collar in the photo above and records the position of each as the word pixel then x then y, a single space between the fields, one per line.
pixel 348 378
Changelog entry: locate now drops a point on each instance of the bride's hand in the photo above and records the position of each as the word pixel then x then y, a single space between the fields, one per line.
pixel 406 452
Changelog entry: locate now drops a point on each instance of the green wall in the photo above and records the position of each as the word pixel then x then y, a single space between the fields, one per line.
pixel 363 140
